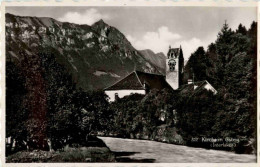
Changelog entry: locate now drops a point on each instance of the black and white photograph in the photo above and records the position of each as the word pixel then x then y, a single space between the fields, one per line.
pixel 130 84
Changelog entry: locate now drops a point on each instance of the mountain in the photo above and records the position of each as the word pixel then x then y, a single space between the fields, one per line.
pixel 157 60
pixel 95 55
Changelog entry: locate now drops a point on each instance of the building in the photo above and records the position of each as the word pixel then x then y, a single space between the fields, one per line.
pixel 136 82
pixel 193 88
pixel 141 82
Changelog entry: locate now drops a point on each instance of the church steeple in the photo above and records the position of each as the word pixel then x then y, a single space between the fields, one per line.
pixel 174 67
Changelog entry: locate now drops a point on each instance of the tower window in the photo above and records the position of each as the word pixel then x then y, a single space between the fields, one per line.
pixel 171 55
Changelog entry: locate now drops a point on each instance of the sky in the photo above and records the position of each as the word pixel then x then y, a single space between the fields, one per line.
pixel 154 28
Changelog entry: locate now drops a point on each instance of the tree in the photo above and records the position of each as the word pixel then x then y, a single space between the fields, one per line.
pixel 139 116
pixel 199 66
pixel 223 42
pixel 241 29
pixel 15 114
pixel 196 115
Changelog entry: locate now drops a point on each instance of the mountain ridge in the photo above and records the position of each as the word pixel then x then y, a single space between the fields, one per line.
pixel 82 49
pixel 157 59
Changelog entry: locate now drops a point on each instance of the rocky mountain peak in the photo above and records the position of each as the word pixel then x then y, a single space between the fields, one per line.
pixel 101 21
pixel 81 49
pixel 99 24
pixel 160 54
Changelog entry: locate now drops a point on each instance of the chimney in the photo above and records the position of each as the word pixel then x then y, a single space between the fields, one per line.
pixel 190 81
pixel 146 88
pixel 116 97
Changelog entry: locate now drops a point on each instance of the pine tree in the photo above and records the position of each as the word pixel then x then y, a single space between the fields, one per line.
pixel 241 29
pixel 223 42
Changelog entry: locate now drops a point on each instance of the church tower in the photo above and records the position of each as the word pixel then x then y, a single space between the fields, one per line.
pixel 174 67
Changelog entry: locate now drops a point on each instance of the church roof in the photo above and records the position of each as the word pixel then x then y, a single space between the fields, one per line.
pixel 136 80
pixel 176 51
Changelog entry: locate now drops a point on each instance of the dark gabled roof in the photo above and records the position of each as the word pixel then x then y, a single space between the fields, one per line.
pixel 137 79
pixel 131 81
pixel 189 88
pixel 154 81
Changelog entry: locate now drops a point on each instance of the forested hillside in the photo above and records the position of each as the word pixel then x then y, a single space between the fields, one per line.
pixel 231 48
pixel 230 64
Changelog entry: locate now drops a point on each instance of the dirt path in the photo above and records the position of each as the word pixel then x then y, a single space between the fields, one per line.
pixel 131 150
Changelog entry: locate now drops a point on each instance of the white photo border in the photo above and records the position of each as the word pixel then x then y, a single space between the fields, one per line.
pixel 190 3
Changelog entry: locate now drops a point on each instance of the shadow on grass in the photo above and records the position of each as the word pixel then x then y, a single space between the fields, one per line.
pixel 119 158
pixel 123 153
pixel 123 159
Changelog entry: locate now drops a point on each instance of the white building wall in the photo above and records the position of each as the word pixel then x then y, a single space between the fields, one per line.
pixel 209 87
pixel 122 93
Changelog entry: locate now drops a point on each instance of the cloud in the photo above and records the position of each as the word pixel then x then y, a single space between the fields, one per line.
pixel 89 17
pixel 160 40
pixel 190 46
pixel 157 41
